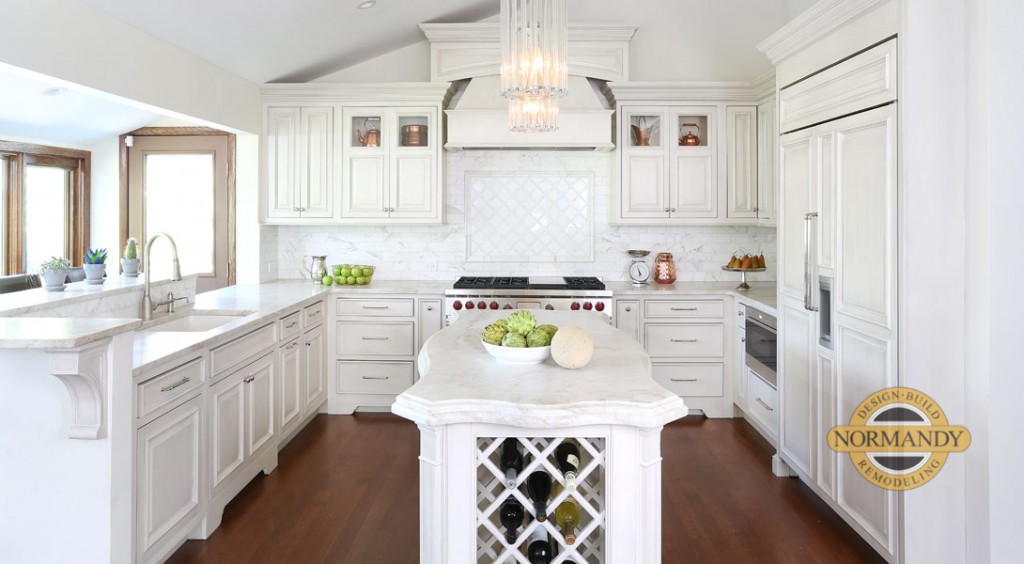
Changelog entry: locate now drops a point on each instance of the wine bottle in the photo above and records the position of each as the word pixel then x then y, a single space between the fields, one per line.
pixel 512 513
pixel 538 487
pixel 539 551
pixel 567 456
pixel 511 461
pixel 567 515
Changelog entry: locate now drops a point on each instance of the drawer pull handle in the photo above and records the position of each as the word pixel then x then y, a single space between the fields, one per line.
pixel 684 309
pixel 376 377
pixel 376 307
pixel 291 325
pixel 376 338
pixel 764 405
pixel 291 346
pixel 684 379
pixel 249 380
pixel 684 340
pixel 183 381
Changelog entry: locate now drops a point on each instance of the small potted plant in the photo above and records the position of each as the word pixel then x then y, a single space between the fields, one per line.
pixel 95 266
pixel 54 273
pixel 130 262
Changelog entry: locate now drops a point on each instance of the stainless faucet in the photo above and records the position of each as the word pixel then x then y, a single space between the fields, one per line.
pixel 147 300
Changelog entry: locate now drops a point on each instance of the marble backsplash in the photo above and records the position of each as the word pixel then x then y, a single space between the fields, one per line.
pixel 440 252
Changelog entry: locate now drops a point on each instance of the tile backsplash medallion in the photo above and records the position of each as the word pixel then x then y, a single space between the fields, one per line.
pixel 442 252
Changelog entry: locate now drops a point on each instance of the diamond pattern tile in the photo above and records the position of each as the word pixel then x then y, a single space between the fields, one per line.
pixel 530 216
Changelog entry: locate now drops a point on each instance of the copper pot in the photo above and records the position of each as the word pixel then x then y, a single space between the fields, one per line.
pixel 689 138
pixel 372 136
pixel 641 133
pixel 414 136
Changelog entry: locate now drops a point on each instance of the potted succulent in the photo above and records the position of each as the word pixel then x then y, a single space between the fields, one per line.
pixel 130 262
pixel 95 266
pixel 54 273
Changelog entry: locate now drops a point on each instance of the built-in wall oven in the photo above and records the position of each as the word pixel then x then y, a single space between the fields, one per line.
pixel 761 345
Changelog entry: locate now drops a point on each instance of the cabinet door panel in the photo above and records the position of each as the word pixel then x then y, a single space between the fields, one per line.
pixel 796 158
pixel 741 159
pixel 644 190
pixel 627 317
pixel 795 374
pixel 316 376
pixel 825 409
pixel 168 472
pixel 291 394
pixel 695 194
pixel 412 186
pixel 316 194
pixel 227 427
pixel 282 154
pixel 260 404
pixel 767 135
pixel 430 320
pixel 364 192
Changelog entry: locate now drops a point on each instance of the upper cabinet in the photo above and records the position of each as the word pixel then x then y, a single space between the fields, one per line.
pixel 683 162
pixel 352 154
pixel 767 156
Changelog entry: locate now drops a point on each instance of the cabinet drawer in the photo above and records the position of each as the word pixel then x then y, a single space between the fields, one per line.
pixel 395 338
pixel 291 325
pixel 763 402
pixel 684 308
pixel 313 315
pixel 690 380
pixel 169 386
pixel 375 308
pixel 362 377
pixel 684 339
pixel 241 349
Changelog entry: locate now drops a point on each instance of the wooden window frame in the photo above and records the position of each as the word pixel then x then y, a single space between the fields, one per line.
pixel 18 156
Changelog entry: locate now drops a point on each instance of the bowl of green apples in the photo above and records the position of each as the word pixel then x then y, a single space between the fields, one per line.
pixel 352 274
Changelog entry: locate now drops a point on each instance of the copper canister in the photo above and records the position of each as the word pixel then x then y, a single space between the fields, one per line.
pixel 414 136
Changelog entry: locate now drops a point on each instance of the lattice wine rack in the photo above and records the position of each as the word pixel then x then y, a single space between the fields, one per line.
pixel 492 491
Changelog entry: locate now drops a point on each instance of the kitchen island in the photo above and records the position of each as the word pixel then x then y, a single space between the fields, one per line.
pixel 466 403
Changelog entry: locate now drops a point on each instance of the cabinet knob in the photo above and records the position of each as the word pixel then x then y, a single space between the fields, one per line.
pixel 755 210
pixel 384 210
pixel 743 339
pixel 673 210
pixel 628 309
pixel 430 308
pixel 666 209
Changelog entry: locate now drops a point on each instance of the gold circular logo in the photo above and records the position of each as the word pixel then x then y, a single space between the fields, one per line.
pixel 899 438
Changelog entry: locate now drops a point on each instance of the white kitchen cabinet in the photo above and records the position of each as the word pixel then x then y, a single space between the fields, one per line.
pixel 314 370
pixel 241 419
pixel 299 156
pixel 742 162
pixel 292 398
pixel 740 358
pixel 169 478
pixel 627 317
pixel 391 173
pixel 767 156
pixel 430 321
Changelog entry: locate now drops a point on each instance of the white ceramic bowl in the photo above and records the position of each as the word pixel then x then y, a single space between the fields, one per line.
pixel 535 355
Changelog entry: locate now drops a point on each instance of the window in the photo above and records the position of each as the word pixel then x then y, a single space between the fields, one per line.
pixel 44 205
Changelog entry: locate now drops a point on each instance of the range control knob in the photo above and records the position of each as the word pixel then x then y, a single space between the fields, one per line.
pixel 481 304
pixel 549 306
pixel 494 305
pixel 599 306
pixel 457 305
pixel 574 306
pixel 588 306
pixel 470 305
pixel 507 306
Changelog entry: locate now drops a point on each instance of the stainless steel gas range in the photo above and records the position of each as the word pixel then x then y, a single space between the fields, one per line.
pixel 585 293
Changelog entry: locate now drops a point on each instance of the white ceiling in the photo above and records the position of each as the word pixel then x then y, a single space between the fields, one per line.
pixel 289 40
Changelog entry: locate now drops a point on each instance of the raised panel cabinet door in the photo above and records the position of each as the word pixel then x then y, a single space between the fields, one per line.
pixel 796 373
pixel 292 398
pixel 413 190
pixel 826 412
pixel 316 195
pixel 429 321
pixel 627 317
pixel 741 161
pixel 767 139
pixel 282 156
pixel 740 361
pixel 168 473
pixel 314 370
pixel 797 157
pixel 365 190
pixel 694 191
pixel 259 400
pixel 644 187
pixel 227 428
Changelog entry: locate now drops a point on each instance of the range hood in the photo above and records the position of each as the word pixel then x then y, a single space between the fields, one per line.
pixel 478 118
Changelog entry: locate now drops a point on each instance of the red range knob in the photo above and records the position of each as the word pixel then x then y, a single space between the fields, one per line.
pixel 457 305
pixel 574 306
pixel 549 306
pixel 494 305
pixel 507 306
pixel 588 306
pixel 470 305
pixel 599 306
pixel 481 304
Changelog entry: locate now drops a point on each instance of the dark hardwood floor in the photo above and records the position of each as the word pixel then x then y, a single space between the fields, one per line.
pixel 346 491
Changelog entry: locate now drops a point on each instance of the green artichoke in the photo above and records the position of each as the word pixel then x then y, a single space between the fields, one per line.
pixel 494 333
pixel 549 329
pixel 514 340
pixel 522 322
pixel 538 338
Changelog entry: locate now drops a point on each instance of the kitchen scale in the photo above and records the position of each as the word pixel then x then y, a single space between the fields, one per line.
pixel 639 272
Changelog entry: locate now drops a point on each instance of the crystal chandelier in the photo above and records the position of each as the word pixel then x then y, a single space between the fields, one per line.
pixel 534 62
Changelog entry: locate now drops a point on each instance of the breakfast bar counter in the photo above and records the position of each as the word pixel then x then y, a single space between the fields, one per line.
pixel 467 403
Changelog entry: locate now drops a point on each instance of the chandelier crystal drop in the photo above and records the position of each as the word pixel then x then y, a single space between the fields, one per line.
pixel 534 61
pixel 533 114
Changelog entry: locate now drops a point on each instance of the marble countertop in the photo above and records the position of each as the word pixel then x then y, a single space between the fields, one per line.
pixel 462 383
pixel 27 301
pixel 59 333
pixel 760 293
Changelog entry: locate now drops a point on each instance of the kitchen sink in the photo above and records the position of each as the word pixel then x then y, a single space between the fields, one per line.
pixel 197 322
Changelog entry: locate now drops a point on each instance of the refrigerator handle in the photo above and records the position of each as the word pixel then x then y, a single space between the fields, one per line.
pixel 809 282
